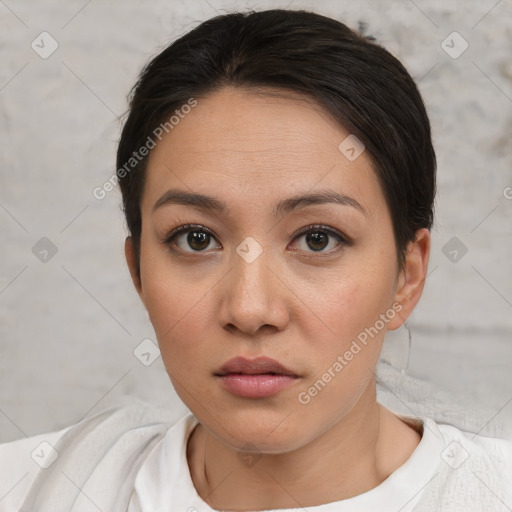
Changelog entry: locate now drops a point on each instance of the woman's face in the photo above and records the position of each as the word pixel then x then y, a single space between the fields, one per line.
pixel 251 284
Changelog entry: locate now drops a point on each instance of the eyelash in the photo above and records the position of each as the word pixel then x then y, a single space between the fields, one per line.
pixel 313 228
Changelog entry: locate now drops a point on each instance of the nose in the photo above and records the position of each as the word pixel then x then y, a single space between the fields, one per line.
pixel 253 298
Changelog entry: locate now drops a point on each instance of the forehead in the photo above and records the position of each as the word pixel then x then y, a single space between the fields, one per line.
pixel 258 146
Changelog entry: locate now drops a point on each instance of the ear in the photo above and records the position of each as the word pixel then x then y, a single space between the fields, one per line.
pixel 412 277
pixel 129 253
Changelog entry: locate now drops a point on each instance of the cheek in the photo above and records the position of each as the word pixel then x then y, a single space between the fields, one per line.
pixel 174 305
pixel 350 302
pixel 344 358
pixel 178 309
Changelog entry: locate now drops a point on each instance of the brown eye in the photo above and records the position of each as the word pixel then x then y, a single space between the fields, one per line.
pixel 318 238
pixel 198 238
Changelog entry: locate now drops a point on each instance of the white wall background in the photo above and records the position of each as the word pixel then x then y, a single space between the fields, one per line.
pixel 68 326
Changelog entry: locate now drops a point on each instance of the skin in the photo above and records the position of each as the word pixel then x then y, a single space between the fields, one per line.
pixel 299 306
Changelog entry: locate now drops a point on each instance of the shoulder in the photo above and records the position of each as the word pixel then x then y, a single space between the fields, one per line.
pixel 476 454
pixel 32 470
pixel 493 450
pixel 473 471
pixel 20 462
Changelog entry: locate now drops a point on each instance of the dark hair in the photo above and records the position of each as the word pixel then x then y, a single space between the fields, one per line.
pixel 358 82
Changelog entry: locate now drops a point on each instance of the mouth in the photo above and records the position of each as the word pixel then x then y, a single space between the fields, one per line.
pixel 258 366
pixel 257 378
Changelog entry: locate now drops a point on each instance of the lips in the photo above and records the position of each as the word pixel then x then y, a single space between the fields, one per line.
pixel 255 378
pixel 258 366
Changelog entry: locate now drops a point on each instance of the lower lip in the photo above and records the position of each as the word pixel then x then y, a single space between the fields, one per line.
pixel 255 386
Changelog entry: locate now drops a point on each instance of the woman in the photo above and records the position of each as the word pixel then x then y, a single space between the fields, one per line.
pixel 278 181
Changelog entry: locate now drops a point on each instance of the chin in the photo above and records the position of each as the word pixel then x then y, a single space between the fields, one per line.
pixel 260 432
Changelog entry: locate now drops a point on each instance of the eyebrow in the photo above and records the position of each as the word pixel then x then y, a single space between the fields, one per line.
pixel 206 202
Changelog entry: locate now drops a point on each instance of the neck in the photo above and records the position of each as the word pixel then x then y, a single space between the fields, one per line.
pixel 355 455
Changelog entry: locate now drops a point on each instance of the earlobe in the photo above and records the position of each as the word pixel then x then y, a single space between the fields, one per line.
pixel 412 278
pixel 129 253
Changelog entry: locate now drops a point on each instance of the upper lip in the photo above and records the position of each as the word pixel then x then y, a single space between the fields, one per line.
pixel 260 365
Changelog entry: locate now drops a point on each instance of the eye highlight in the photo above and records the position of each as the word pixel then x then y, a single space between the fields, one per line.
pixel 199 238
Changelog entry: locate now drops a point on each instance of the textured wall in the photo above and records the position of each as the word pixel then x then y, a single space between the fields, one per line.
pixel 70 321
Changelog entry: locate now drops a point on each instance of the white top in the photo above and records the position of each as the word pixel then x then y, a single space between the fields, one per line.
pixel 449 471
